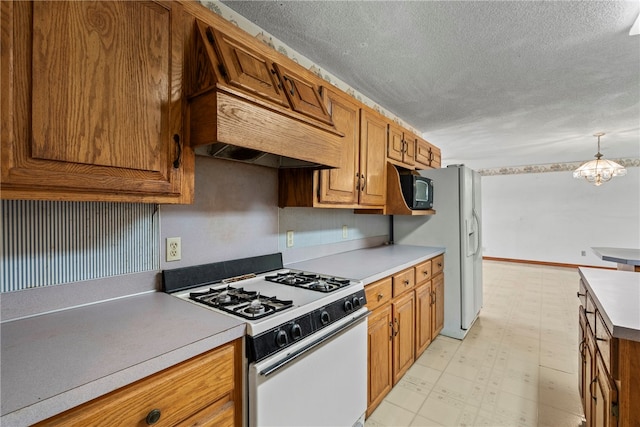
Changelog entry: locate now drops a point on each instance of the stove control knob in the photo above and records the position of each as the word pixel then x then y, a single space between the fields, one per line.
pixel 348 305
pixel 281 338
pixel 356 302
pixel 296 331
pixel 324 318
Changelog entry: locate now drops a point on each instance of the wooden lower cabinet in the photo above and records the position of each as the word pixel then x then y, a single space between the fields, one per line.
pixel 379 357
pixel 423 317
pixel 203 391
pixel 609 374
pixel 437 309
pixel 403 335
pixel 403 310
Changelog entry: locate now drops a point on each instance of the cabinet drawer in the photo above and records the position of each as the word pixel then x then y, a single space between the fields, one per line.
pixel 423 272
pixel 437 264
pixel 176 393
pixel 378 293
pixel 403 281
pixel 607 347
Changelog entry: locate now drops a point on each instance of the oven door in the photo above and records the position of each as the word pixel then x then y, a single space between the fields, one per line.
pixel 321 381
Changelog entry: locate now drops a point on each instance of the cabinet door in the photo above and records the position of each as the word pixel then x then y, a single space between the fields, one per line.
pixel 588 368
pixel 604 397
pixel 437 310
pixel 422 154
pixel 404 335
pixel 95 99
pixel 338 185
pixel 395 145
pixel 303 95
pixel 380 362
pixel 373 169
pixel 247 69
pixel 423 318
pixel 582 363
pixel 409 149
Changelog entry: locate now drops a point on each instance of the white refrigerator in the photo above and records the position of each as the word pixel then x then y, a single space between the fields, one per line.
pixel 457 226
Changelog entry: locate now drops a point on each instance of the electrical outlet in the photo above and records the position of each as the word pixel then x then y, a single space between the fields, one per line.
pixel 174 249
pixel 345 232
pixel 289 238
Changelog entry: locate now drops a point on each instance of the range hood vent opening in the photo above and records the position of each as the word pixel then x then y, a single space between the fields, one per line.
pixel 221 150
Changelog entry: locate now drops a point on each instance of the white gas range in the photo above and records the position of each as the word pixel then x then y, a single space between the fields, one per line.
pixel 306 343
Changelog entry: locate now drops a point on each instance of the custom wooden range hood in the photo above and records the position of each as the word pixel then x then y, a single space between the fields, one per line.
pixel 249 103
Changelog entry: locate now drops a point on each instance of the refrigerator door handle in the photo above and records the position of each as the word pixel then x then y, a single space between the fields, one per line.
pixel 478 236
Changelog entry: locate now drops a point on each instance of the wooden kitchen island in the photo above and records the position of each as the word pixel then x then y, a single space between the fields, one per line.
pixel 609 351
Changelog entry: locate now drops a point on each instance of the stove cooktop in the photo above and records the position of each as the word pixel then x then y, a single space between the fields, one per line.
pixel 311 281
pixel 247 304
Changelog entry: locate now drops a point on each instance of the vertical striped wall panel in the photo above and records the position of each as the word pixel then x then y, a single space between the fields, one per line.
pixel 48 243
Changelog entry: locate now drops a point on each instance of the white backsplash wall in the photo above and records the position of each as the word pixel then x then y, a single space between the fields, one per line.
pixel 235 214
pixel 319 232
pixel 553 217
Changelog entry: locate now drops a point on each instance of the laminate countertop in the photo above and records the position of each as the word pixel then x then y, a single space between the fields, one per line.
pixel 55 361
pixel 370 264
pixel 620 255
pixel 616 295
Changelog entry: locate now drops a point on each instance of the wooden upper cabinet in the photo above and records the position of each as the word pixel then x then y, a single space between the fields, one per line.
pixel 93 106
pixel 427 155
pixel 401 146
pixel 303 95
pixel 246 68
pixel 372 184
pixel 339 185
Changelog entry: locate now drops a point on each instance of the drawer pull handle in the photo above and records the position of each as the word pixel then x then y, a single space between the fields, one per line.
pixel 578 294
pixel 380 296
pixel 153 416
pixel 601 339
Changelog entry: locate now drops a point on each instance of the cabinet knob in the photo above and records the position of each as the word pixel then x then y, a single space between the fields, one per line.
pixel 153 416
pixel 406 283
pixel 380 296
pixel 426 273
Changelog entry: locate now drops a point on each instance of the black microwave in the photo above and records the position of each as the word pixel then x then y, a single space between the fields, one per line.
pixel 417 191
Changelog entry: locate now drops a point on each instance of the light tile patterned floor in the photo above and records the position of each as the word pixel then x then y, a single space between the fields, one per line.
pixel 517 366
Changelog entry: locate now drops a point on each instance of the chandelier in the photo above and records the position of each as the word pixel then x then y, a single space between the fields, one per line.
pixel 599 170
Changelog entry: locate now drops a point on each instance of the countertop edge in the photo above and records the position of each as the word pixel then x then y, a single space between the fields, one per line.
pixel 47 408
pixel 400 257
pixel 617 331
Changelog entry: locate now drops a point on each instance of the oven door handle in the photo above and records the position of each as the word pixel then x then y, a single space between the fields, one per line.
pixel 291 357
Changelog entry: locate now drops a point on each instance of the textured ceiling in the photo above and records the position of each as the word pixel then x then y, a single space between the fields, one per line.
pixel 499 83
